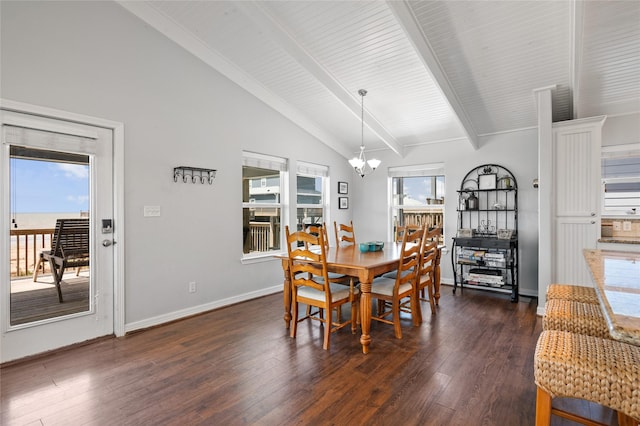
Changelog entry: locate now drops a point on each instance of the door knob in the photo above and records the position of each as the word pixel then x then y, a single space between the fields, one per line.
pixel 107 243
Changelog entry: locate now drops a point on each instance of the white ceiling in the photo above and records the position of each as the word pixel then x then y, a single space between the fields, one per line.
pixel 434 70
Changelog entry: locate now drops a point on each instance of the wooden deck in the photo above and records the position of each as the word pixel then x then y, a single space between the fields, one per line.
pixel 471 364
pixel 38 301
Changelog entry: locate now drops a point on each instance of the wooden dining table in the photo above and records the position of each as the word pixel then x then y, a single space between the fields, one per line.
pixel 365 266
pixel 616 275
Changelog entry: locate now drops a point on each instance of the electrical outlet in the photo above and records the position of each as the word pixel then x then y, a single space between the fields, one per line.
pixel 617 226
pixel 192 287
pixel 626 225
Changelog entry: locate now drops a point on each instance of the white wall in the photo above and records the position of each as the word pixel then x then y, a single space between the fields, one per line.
pixel 622 129
pixel 517 151
pixel 97 59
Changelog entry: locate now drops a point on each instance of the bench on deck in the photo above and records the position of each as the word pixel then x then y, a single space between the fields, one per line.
pixel 69 249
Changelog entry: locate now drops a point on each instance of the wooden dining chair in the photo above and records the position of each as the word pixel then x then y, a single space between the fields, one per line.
pixel 310 284
pixel 425 281
pixel 344 233
pixel 403 286
pixel 316 229
pixel 400 231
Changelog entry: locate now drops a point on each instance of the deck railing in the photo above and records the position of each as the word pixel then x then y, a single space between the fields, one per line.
pixel 26 245
pixel 432 219
pixel 429 218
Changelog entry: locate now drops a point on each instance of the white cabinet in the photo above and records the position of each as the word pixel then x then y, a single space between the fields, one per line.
pixel 576 211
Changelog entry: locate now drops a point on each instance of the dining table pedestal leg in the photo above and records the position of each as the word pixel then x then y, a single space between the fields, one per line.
pixel 287 293
pixel 436 278
pixel 365 313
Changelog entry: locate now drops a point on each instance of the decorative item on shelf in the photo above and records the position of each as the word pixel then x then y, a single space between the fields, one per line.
pixel 361 165
pixel 498 206
pixel 505 234
pixel 486 229
pixel 505 182
pixel 471 203
pixel 487 181
pixel 465 233
pixel 194 174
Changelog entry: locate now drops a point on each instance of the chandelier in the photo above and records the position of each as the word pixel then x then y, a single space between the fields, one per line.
pixel 360 164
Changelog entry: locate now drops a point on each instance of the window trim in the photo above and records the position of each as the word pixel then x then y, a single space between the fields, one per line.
pixel 264 161
pixel 418 170
pixel 611 152
pixel 306 169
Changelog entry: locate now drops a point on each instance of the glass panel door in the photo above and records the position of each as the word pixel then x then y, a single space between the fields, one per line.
pixel 50 249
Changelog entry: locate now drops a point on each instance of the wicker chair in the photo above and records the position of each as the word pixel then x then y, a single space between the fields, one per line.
pixel 575 293
pixel 603 371
pixel 575 317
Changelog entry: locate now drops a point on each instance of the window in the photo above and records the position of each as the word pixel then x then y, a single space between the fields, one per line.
pixel 310 194
pixel 417 196
pixel 621 179
pixel 263 202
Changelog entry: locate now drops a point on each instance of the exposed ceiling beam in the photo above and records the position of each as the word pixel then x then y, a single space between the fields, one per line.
pixel 416 36
pixel 279 34
pixel 221 64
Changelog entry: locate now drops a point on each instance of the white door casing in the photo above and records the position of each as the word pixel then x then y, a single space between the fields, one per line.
pixel 107 315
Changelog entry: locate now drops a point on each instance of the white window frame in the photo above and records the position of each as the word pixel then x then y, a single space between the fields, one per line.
pixel 314 170
pixel 264 161
pixel 426 170
pixel 608 177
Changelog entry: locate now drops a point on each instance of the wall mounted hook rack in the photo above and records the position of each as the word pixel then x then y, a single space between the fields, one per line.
pixel 194 174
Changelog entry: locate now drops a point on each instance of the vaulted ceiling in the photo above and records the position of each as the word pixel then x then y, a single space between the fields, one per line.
pixel 435 71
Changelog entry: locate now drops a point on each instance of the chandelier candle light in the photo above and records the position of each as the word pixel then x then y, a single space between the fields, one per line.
pixel 360 163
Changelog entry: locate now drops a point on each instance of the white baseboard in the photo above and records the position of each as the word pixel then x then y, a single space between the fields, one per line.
pixel 194 310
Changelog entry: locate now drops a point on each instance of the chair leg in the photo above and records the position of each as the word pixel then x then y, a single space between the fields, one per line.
pixel 396 319
pixel 624 420
pixel 416 312
pixel 431 299
pixel 543 408
pixel 354 316
pixel 37 268
pixel 327 331
pixel 294 325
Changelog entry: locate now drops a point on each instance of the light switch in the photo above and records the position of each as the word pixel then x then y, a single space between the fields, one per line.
pixel 617 226
pixel 626 225
pixel 151 211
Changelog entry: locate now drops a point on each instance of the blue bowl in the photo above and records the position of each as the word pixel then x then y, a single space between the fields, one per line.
pixel 364 247
pixel 376 245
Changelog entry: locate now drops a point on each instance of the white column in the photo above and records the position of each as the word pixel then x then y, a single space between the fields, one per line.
pixel 545 192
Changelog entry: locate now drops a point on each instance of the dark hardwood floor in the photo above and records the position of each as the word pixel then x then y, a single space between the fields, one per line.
pixel 471 364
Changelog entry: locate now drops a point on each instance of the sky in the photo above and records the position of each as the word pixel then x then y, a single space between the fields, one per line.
pixel 419 188
pixel 48 187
